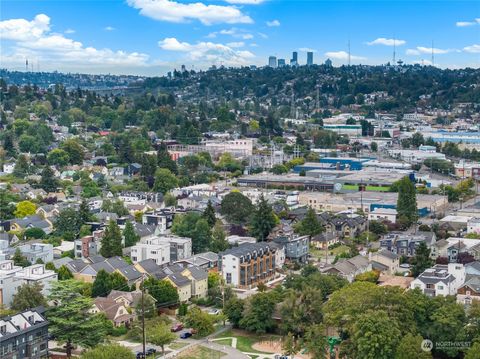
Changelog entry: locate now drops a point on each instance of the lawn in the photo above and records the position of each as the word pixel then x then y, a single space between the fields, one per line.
pixel 245 340
pixel 331 252
pixel 177 345
pixel 200 352
pixel 224 342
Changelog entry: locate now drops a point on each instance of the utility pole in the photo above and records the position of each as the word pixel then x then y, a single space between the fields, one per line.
pixel 143 317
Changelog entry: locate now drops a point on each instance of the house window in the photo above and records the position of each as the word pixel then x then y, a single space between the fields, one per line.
pixel 229 278
pixel 440 287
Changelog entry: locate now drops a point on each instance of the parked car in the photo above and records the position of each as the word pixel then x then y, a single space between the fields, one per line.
pixel 140 355
pixel 214 312
pixel 177 327
pixel 151 351
pixel 185 335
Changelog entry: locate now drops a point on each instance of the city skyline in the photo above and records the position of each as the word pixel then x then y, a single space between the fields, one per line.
pixel 152 37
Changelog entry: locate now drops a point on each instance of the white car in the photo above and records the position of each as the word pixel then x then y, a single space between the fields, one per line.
pixel 214 312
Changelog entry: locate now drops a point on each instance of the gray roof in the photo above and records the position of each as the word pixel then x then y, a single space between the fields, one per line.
pixel 475 265
pixel 198 273
pixel 77 265
pixel 96 258
pixel 97 267
pixel 473 283
pixel 31 221
pixel 61 262
pixel 144 230
pixel 150 266
pixel 246 248
pixel 388 254
pixel 179 279
pixel 117 262
pixel 130 272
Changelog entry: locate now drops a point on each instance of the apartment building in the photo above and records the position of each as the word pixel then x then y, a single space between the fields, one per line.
pixel 248 264
pixel 440 280
pixel 24 335
pixel 159 252
pixel 180 247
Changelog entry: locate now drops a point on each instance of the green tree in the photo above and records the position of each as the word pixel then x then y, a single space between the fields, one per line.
pixel 165 180
pixel 376 335
pixel 161 335
pixel 108 351
pixel 309 225
pixel 70 320
pixel 131 238
pixel 35 233
pixel 257 316
pixel 192 225
pixel 410 347
pixel 24 209
pixel 374 146
pixel 58 157
pixel 262 220
pixel 201 321
pixel 421 260
pixel 119 282
pixel 7 206
pixel 164 160
pixel 162 290
pixel 84 213
pixel 48 181
pixel 64 273
pixel 75 151
pixel 22 167
pixel 102 284
pixel 290 345
pixel 111 241
pixel 236 207
pixel 19 259
pixel 218 242
pixel 407 200
pixel 28 296
pixel 68 223
pixel 209 214
pixel 473 352
pixel 234 308
pixel 169 200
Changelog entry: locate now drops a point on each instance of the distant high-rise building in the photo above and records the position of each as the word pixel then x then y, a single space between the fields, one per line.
pixel 294 60
pixel 309 58
pixel 281 63
pixel 272 61
pixel 328 62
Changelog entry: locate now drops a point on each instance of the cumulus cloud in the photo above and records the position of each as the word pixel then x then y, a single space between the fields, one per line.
pixel 306 49
pixel 208 52
pixel 236 44
pixel 172 11
pixel 233 32
pixel 474 49
pixel 69 31
pixel 465 23
pixel 387 42
pixel 34 39
pixel 273 23
pixel 412 52
pixel 342 55
pixel 109 28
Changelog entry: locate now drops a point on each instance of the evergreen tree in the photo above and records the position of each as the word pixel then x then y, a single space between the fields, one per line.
pixel 118 282
pixel 64 273
pixel 131 238
pixel 263 220
pixel 8 143
pixel 28 296
pixel 48 182
pixel 218 242
pixel 19 259
pixel 164 160
pixel 102 285
pixel 422 259
pixel 309 225
pixel 407 200
pixel 111 241
pixel 209 214
pixel 84 212
pixel 22 167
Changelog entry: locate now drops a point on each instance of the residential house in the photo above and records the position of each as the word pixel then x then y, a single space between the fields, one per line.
pixel 87 272
pixel 296 247
pixel 88 246
pixel 383 214
pixel 406 244
pixel 36 252
pixel 453 246
pixel 181 283
pixel 199 280
pixel 36 193
pixel 347 225
pixel 472 269
pixel 162 219
pixel 385 261
pixel 440 280
pixel 469 291
pixel 324 240
pixel 206 260
pixel 34 221
pixel 131 274
pixel 24 335
pixel 349 268
pixel 117 312
pixel 248 265
pixel 160 252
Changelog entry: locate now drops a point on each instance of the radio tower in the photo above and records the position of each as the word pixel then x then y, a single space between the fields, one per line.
pixel 394 50
pixel 349 57
pixel 26 65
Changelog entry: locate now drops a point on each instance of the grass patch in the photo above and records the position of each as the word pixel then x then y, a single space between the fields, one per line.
pixel 200 352
pixel 224 342
pixel 319 253
pixel 177 345
pixel 245 341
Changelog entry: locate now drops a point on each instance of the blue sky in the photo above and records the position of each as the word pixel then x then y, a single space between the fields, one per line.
pixel 150 37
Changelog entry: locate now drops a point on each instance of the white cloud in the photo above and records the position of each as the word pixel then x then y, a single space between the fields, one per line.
pixel 474 49
pixel 109 28
pixel 423 62
pixel 273 23
pixel 236 44
pixel 465 23
pixel 253 44
pixel 306 49
pixel 262 35
pixel 233 32
pixel 245 2
pixel 387 42
pixel 22 30
pixel 171 11
pixel 69 31
pixel 342 55
pixel 428 50
pixel 34 40
pixel 208 52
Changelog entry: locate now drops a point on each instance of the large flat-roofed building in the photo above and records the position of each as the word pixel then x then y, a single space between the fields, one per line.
pixel 248 264
pixel 24 335
pixel 368 201
pixel 287 181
